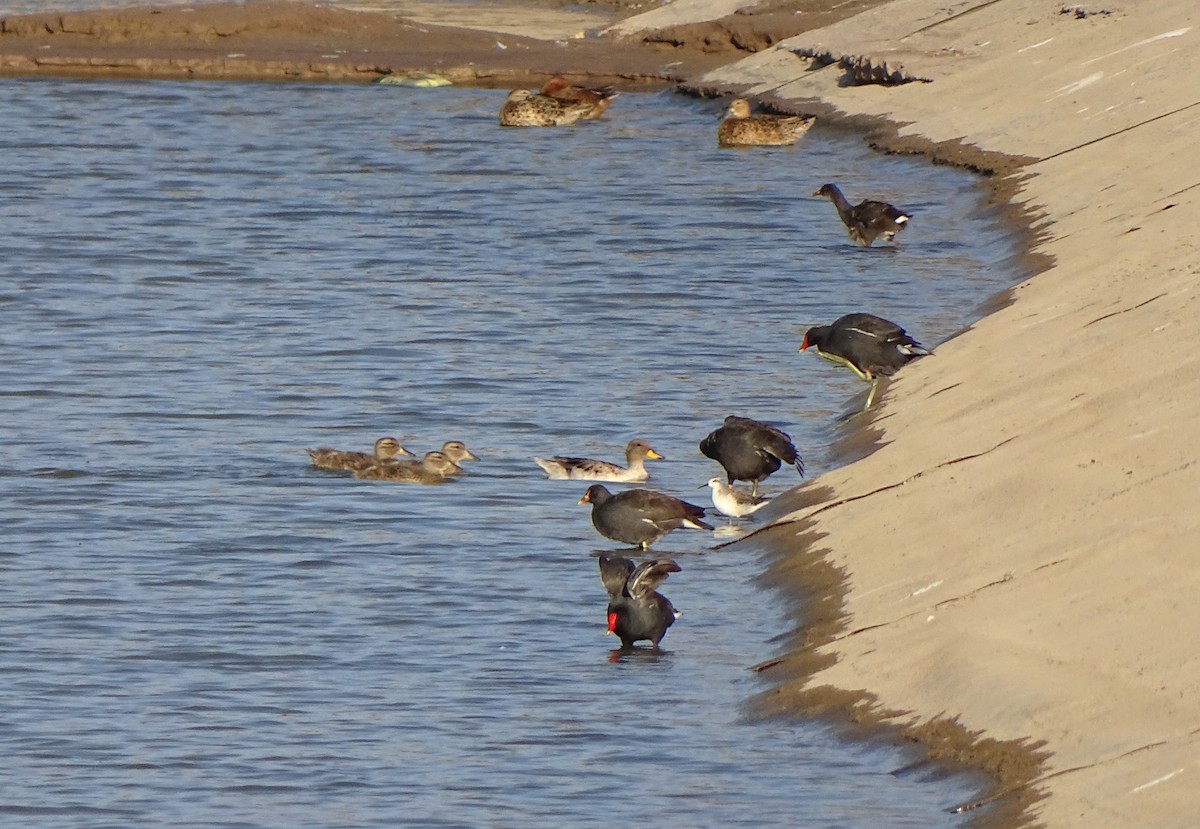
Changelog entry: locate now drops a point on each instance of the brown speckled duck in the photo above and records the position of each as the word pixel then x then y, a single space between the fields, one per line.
pixel 457 452
pixel 433 468
pixel 585 469
pixel 562 89
pixel 386 449
pixel 523 108
pixel 740 128
pixel 867 220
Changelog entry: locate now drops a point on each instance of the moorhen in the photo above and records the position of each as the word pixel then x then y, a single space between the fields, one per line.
pixel 868 345
pixel 867 220
pixel 636 610
pixel 750 450
pixel 640 516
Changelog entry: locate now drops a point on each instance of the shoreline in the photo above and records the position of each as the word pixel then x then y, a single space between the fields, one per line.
pixel 1006 579
pixel 1012 568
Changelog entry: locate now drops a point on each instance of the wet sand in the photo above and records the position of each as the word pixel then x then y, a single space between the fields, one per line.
pixel 1009 578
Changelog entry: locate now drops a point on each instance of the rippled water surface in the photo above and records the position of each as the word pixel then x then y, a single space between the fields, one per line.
pixel 200 280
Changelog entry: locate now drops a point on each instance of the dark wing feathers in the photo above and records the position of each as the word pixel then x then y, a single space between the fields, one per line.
pixel 649 575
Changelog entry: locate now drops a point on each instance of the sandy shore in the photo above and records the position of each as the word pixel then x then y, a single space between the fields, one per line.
pixel 1016 556
pixel 1007 578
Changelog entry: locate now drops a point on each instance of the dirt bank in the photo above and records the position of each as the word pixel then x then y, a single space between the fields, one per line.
pixel 470 44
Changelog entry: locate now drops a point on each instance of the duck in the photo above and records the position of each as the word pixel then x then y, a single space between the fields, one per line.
pixel 750 450
pixel 433 468
pixel 457 452
pixel 868 220
pixel 740 128
pixel 640 516
pixel 562 89
pixel 636 610
pixel 339 460
pixel 733 502
pixel 585 469
pixel 523 108
pixel 868 345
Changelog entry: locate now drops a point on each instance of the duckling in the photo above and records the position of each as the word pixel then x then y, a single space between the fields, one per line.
pixel 431 469
pixel 868 220
pixel 740 128
pixel 562 89
pixel 586 469
pixel 386 449
pixel 523 108
pixel 457 452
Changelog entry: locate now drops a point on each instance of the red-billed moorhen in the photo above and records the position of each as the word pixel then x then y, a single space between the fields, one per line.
pixel 636 611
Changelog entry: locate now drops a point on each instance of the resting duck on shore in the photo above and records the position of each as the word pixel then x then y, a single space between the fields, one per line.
pixel 867 220
pixel 750 450
pixel 586 469
pixel 433 468
pixel 640 516
pixel 523 108
pixel 740 128
pixel 868 345
pixel 346 461
pixel 636 610
pixel 562 89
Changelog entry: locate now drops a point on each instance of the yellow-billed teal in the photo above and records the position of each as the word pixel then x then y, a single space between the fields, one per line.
pixel 586 469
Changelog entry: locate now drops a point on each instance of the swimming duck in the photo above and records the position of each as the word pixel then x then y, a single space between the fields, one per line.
pixel 636 610
pixel 640 516
pixel 734 502
pixel 562 89
pixel 750 450
pixel 457 452
pixel 523 108
pixel 586 469
pixel 740 128
pixel 431 469
pixel 867 220
pixel 345 461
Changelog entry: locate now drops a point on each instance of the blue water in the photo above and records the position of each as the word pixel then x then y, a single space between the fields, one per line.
pixel 201 279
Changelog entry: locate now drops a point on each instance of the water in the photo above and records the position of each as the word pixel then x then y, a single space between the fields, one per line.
pixel 202 279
